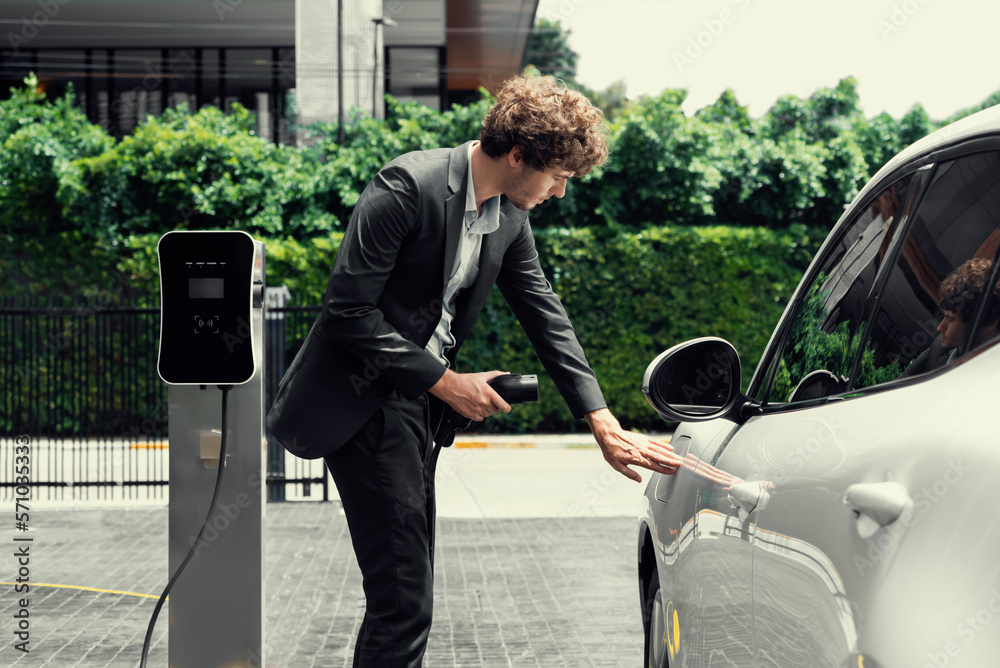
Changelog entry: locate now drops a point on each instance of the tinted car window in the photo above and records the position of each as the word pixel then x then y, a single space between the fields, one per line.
pixel 819 351
pixel 989 327
pixel 927 308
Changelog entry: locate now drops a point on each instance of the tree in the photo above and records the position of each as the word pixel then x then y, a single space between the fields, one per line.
pixel 548 50
pixel 612 100
pixel 914 125
pixel 991 101
pixel 832 110
pixel 879 139
pixel 39 140
pixel 198 171
pixel 658 168
pixel 727 111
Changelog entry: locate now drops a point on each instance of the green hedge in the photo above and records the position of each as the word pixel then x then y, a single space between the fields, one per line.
pixel 799 163
pixel 630 295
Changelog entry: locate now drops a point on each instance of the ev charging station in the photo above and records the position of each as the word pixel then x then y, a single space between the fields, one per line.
pixel 211 355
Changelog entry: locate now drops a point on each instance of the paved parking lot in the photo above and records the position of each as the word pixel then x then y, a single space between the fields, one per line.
pixel 545 579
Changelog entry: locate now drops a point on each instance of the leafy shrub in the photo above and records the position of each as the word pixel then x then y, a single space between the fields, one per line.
pixel 370 143
pixel 632 295
pixel 67 264
pixel 39 140
pixel 657 169
pixel 799 163
pixel 198 171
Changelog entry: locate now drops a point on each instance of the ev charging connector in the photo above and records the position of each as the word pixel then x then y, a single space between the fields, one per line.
pixel 212 339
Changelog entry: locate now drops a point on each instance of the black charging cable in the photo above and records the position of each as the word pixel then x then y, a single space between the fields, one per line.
pixel 194 546
pixel 513 388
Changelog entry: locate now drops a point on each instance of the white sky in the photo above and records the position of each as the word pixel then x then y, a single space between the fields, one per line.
pixel 942 53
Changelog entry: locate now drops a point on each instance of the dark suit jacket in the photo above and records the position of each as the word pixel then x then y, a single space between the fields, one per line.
pixel 384 300
pixel 934 357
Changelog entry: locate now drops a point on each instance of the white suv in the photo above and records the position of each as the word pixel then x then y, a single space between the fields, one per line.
pixel 842 511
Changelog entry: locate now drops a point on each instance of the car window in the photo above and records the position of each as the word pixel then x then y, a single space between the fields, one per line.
pixel 989 323
pixel 818 354
pixel 926 311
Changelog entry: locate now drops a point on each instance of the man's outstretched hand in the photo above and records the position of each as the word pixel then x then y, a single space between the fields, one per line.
pixel 623 448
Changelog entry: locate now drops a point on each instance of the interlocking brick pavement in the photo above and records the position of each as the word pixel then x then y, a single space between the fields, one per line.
pixel 542 592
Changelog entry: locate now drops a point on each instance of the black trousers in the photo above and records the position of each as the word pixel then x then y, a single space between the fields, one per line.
pixel 385 478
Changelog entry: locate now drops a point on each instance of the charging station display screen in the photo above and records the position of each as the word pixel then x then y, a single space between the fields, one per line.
pixel 206 282
pixel 206 288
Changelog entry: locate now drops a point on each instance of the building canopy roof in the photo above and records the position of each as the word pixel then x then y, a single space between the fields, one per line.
pixel 88 24
pixel 485 39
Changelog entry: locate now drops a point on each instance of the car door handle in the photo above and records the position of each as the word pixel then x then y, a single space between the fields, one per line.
pixel 665 484
pixel 876 504
pixel 747 497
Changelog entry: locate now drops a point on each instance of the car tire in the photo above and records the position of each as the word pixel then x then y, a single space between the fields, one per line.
pixel 656 655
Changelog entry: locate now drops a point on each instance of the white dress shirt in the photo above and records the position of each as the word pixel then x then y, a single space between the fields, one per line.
pixel 466 267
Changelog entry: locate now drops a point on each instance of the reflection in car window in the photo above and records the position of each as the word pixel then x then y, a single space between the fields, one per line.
pixel 819 353
pixel 989 327
pixel 935 286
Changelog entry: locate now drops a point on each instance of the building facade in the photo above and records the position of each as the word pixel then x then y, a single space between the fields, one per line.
pixel 290 62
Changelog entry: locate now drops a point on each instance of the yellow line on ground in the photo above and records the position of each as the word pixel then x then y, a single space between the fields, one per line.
pixel 483 444
pixel 150 446
pixel 100 591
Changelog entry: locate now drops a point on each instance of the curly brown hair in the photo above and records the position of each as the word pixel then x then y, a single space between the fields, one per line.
pixel 962 290
pixel 552 124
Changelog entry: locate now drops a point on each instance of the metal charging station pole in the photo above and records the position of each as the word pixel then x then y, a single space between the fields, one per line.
pixel 216 607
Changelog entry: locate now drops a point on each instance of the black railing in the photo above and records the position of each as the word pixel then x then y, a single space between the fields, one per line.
pixel 285 330
pixel 81 404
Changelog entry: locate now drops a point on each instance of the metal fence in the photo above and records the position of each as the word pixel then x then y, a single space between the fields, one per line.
pixel 83 413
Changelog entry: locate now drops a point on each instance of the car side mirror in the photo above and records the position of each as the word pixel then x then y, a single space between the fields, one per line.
pixel 696 381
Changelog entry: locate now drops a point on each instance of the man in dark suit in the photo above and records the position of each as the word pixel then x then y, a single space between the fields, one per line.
pixel 429 237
